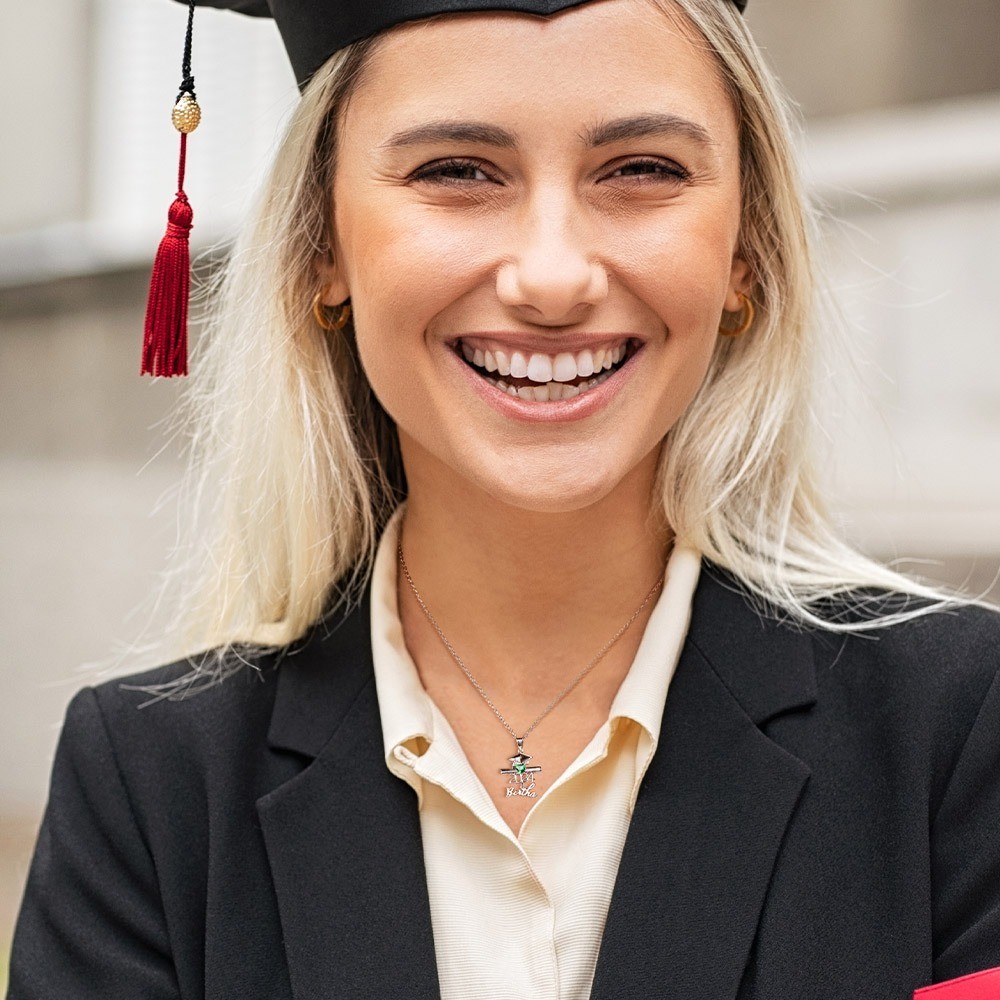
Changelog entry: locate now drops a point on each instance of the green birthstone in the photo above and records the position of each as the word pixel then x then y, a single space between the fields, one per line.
pixel 519 768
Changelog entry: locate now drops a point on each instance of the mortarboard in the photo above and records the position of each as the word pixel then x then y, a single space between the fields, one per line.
pixel 311 30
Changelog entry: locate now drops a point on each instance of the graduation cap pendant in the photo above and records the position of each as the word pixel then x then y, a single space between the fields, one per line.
pixel 520 780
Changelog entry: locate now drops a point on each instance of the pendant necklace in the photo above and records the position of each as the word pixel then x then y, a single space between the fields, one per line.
pixel 520 775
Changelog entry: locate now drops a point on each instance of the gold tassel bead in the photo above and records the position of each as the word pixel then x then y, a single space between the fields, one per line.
pixel 186 114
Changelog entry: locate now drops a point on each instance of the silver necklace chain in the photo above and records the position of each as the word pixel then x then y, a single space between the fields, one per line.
pixel 579 677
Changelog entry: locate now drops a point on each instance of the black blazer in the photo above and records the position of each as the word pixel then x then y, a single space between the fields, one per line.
pixel 821 820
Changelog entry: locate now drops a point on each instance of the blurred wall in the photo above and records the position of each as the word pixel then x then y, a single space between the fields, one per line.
pixel 46 51
pixel 902 99
pixel 859 55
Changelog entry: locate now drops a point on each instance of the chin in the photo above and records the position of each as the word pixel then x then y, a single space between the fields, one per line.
pixel 552 494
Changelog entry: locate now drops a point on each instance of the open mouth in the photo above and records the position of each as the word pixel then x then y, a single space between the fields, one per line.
pixel 542 390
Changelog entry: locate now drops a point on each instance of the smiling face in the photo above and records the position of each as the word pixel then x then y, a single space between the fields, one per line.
pixel 537 223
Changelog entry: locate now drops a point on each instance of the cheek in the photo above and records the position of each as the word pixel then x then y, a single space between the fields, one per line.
pixel 408 260
pixel 403 269
pixel 390 372
pixel 680 263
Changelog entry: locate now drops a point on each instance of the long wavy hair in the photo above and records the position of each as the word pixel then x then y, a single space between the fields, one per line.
pixel 294 466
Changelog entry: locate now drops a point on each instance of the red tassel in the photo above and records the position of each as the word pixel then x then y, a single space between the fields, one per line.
pixel 164 348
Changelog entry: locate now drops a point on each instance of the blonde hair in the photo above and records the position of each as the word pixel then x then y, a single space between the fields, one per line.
pixel 295 466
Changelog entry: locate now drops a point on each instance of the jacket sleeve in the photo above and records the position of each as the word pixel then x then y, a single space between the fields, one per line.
pixel 965 853
pixel 91 922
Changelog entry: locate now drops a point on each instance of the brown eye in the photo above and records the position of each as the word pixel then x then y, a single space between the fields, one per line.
pixel 651 169
pixel 452 172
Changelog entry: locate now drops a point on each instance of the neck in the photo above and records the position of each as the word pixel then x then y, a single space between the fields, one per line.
pixel 526 598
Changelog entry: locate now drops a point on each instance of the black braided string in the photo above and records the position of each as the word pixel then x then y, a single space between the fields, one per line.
pixel 187 83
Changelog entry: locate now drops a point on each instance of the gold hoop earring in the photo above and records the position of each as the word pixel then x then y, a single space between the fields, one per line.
pixel 323 320
pixel 747 314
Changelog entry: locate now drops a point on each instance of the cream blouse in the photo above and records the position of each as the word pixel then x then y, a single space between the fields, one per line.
pixel 522 916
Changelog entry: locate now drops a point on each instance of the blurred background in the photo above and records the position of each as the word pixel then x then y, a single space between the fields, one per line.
pixel 900 101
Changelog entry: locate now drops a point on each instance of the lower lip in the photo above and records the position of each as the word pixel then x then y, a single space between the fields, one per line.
pixel 556 410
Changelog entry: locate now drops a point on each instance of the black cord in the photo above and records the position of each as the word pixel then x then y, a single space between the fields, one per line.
pixel 187 83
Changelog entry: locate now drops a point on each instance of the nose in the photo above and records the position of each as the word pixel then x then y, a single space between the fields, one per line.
pixel 552 278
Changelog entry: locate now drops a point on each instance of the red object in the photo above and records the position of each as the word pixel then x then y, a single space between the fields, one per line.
pixel 164 348
pixel 984 985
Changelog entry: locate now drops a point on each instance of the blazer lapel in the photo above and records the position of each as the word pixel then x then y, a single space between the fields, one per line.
pixel 343 835
pixel 712 809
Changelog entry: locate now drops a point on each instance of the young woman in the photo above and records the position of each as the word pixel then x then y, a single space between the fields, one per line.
pixel 534 667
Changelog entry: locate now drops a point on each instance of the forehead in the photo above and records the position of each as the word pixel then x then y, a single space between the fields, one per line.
pixel 600 60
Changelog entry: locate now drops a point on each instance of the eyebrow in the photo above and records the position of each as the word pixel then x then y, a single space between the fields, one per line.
pixel 618 130
pixel 452 131
pixel 646 126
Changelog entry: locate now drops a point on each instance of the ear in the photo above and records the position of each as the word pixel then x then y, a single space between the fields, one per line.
pixel 331 280
pixel 739 283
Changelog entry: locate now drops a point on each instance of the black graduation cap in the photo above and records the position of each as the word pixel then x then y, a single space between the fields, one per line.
pixel 312 30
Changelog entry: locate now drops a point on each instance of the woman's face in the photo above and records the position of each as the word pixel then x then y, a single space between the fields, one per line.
pixel 543 196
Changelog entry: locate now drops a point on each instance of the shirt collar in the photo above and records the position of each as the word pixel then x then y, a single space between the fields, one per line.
pixel 643 693
pixel 404 705
pixel 406 709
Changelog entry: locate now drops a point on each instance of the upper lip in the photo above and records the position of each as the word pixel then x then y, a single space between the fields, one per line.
pixel 564 343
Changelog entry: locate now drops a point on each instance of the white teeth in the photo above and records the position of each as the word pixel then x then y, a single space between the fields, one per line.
pixel 502 386
pixel 551 375
pixel 543 368
pixel 564 368
pixel 551 392
pixel 539 368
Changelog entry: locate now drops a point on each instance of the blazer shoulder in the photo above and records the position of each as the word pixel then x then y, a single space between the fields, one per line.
pixel 925 684
pixel 196 696
pixel 954 646
pixel 935 665
pixel 964 626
